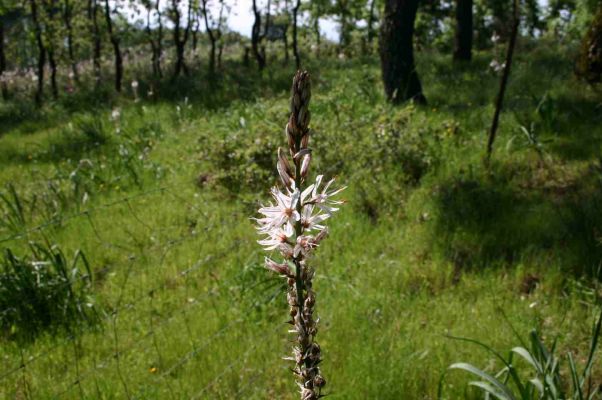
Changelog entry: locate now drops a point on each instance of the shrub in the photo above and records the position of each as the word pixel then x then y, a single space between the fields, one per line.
pixel 545 380
pixel 44 290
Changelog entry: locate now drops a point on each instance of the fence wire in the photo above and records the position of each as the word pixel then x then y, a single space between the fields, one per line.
pixel 146 341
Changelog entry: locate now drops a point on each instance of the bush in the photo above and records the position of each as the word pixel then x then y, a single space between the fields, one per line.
pixel 545 379
pixel 44 291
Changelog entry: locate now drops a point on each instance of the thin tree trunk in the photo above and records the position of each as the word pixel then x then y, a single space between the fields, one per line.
pixel 318 37
pixel 154 42
pixel 212 38
pixel 295 44
pixel 116 50
pixel 96 45
pixel 52 63
pixel 220 51
pixel 256 37
pixel 41 51
pixel 265 30
pixel 399 74
pixel 180 39
pixel 285 34
pixel 50 38
pixel 159 38
pixel 3 62
pixel 371 19
pixel 67 18
pixel 463 36
pixel 503 82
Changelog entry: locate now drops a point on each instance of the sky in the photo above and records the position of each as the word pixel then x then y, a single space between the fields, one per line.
pixel 241 20
pixel 241 17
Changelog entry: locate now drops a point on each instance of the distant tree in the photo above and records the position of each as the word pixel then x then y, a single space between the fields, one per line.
pixel 155 37
pixel 589 62
pixel 180 35
pixel 214 31
pixel 96 38
pixel 370 23
pixel 6 9
pixel 115 41
pixel 532 13
pixel 2 61
pixel 399 74
pixel 463 36
pixel 50 33
pixel 67 12
pixel 256 37
pixel 317 10
pixel 37 28
pixel 296 8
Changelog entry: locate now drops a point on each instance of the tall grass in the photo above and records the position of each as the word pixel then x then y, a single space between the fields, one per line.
pixel 44 290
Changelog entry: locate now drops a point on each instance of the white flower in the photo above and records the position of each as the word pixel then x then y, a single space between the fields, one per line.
pixel 496 66
pixel 276 237
pixel 322 200
pixel 134 84
pixel 115 114
pixel 311 221
pixel 282 215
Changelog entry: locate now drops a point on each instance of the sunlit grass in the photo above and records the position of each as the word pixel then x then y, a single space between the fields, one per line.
pixel 429 245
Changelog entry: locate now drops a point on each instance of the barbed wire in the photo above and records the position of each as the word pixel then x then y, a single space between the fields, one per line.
pixel 66 218
pixel 139 342
pixel 228 367
pixel 132 304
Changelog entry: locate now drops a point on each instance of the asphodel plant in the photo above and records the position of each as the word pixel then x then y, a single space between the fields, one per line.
pixel 294 227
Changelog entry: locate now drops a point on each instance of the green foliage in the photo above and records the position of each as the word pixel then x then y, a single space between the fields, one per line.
pixel 544 380
pixel 192 313
pixel 44 290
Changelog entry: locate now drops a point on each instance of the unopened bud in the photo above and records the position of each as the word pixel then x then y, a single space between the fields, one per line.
pixel 305 165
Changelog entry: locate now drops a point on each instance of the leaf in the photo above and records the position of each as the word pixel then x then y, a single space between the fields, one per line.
pixel 484 375
pixel 489 389
pixel 524 353
pixel 576 384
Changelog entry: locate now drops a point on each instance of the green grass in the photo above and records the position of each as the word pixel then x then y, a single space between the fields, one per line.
pixel 429 244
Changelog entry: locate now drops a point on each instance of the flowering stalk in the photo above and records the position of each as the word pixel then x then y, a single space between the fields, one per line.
pixel 294 226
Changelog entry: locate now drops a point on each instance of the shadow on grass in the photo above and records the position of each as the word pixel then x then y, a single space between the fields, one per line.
pixel 486 221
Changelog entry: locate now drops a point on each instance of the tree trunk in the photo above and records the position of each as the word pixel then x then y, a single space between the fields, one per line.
pixel 116 50
pixel 180 39
pixel 49 8
pixel 52 63
pixel 159 38
pixel 371 19
pixel 3 62
pixel 96 45
pixel 463 37
pixel 155 43
pixel 399 74
pixel 285 34
pixel 295 41
pixel 212 38
pixel 318 38
pixel 503 82
pixel 285 41
pixel 589 61
pixel 41 51
pixel 256 37
pixel 67 18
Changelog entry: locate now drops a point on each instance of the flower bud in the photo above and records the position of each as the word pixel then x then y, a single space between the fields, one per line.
pixel 305 165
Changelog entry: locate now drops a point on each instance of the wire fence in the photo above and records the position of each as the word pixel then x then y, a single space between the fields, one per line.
pixel 78 368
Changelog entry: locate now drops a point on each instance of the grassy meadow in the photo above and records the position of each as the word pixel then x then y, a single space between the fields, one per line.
pixel 173 301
